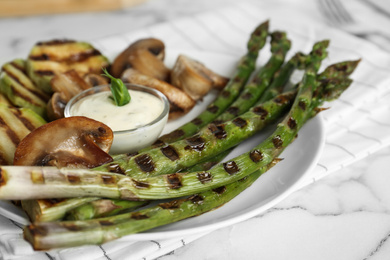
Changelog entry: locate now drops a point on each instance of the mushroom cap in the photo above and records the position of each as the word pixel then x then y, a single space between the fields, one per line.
pixel 77 142
pixel 146 55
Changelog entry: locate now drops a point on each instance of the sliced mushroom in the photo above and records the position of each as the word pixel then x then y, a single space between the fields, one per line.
pixel 195 78
pixel 95 80
pixel 180 102
pixel 146 56
pixel 77 142
pixel 65 86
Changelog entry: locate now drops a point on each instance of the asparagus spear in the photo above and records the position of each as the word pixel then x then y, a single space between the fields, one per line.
pixel 107 207
pixel 50 235
pixel 244 69
pixel 256 87
pixel 83 182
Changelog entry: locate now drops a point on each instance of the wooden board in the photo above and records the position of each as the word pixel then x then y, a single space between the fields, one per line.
pixel 9 8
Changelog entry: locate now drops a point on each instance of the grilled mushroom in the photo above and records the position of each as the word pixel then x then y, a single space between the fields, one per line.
pixel 146 56
pixel 77 142
pixel 95 80
pixel 195 78
pixel 65 86
pixel 180 102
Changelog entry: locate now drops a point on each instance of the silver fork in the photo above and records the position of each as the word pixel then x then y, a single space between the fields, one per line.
pixel 338 16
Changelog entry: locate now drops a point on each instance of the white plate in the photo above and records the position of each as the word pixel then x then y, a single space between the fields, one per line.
pixel 299 158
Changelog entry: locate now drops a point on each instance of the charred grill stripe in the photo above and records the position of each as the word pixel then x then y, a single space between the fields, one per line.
pixel 16 92
pixel 218 131
pixel 197 121
pixel 204 177
pixel 140 184
pixel 73 179
pixel 233 110
pixel 27 123
pixel 175 134
pixel 225 94
pixel 246 96
pixel 174 181
pixel 260 111
pixel 10 133
pixel 302 105
pixel 231 167
pixel 220 190
pixel 37 231
pixel 55 42
pixel 277 141
pixel 18 67
pixel 174 204
pixel 256 156
pixel 145 162
pixel 106 223
pixel 196 199
pixel 73 58
pixel 195 143
pixel 139 216
pixel 116 168
pixel 213 109
pixel 170 152
pixel 3 177
pixel 292 124
pixel 108 179
pixel 241 123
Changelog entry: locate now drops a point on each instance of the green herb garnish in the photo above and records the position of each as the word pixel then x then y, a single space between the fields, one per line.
pixel 119 91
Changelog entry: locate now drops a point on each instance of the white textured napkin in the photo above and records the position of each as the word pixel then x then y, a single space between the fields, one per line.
pixel 356 125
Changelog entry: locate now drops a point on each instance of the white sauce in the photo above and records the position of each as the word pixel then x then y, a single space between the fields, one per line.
pixel 142 110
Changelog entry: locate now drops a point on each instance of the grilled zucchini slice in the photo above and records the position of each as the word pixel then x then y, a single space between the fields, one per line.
pixel 17 87
pixel 15 124
pixel 47 59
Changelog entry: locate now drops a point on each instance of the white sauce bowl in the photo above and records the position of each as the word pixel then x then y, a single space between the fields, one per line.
pixel 134 139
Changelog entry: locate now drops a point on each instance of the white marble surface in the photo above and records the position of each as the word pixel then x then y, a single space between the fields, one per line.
pixel 345 215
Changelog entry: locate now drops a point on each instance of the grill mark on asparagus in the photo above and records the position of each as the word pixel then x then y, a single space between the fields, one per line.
pixel 302 105
pixel 213 109
pixel 170 153
pixel 174 204
pixel 73 179
pixel 241 123
pixel 145 162
pixel 174 181
pixel 220 190
pixel 196 199
pixel 218 131
pixel 37 231
pixel 196 143
pixel 115 168
pixel 139 216
pixel 247 96
pixel 231 167
pixel 277 141
pixel 260 111
pixel 205 177
pixel 141 184
pixel 256 156
pixel 106 223
pixel 108 179
pixel 44 72
pixel 197 121
pixel 233 110
pixel 292 124
pixel 225 94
